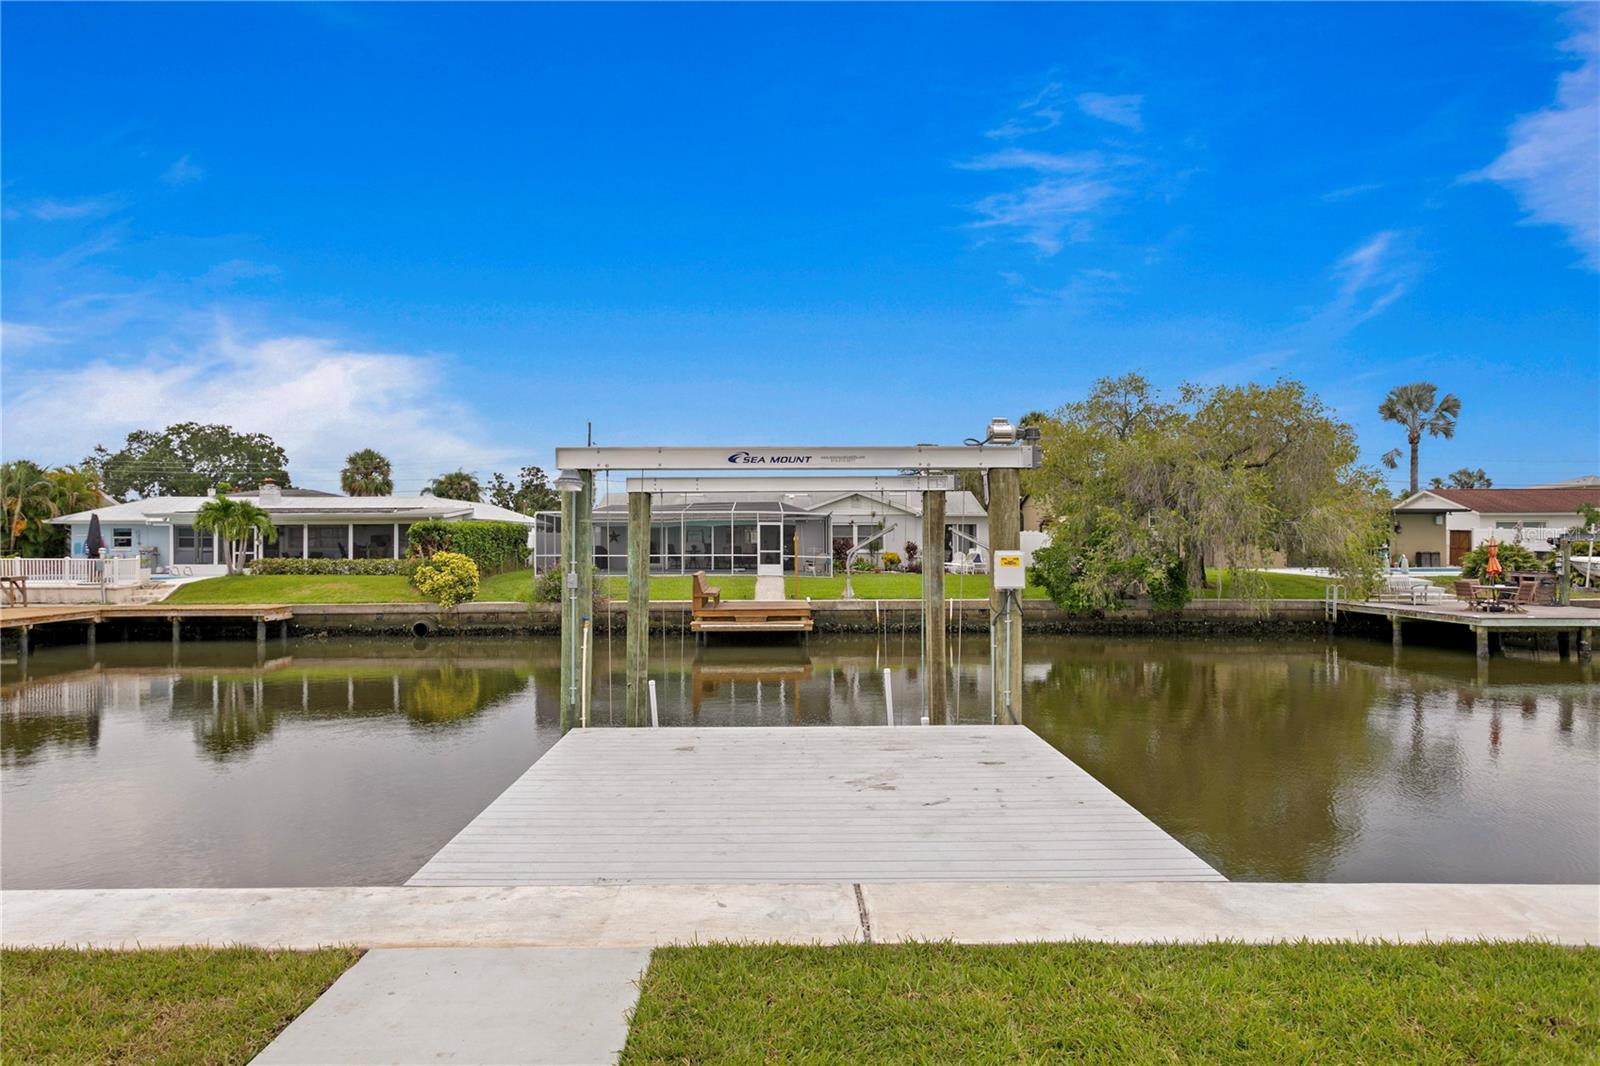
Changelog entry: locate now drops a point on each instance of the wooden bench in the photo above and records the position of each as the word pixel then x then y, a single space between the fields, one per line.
pixel 704 595
pixel 16 590
pixel 754 616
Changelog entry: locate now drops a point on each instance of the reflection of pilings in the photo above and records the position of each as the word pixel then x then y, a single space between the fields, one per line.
pixel 935 675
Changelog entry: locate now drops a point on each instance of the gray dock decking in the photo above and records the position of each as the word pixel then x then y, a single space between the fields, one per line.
pixel 808 804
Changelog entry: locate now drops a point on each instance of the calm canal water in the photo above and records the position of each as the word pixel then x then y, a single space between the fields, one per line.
pixel 351 762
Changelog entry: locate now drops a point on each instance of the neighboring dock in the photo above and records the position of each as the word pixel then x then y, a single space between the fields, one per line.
pixel 23 619
pixel 1572 626
pixel 808 804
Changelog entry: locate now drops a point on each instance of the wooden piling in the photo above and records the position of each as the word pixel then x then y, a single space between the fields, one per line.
pixel 1395 622
pixel 261 635
pixel 1005 534
pixel 89 636
pixel 934 673
pixel 569 622
pixel 638 667
pixel 1585 644
pixel 1482 636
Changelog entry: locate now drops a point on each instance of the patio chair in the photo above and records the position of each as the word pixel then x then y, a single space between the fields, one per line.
pixel 705 595
pixel 1526 591
pixel 957 563
pixel 1466 592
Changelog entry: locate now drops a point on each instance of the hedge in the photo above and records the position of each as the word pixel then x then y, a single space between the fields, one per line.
pixel 494 546
pixel 447 578
pixel 339 567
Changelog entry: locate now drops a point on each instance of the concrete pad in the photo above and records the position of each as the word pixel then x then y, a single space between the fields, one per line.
pixel 470 1005
pixel 401 916
pixel 1246 911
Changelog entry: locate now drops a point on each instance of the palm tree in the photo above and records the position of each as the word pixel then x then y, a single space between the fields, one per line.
pixel 233 521
pixel 366 473
pixel 76 488
pixel 29 497
pixel 456 485
pixel 1413 407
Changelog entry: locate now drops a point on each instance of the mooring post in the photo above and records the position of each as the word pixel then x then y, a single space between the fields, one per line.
pixel 1394 620
pixel 569 615
pixel 934 674
pixel 22 642
pixel 261 634
pixel 177 628
pixel 1005 534
pixel 1585 644
pixel 637 710
pixel 1482 635
pixel 89 636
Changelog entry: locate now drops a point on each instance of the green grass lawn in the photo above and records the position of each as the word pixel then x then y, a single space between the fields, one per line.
pixel 1102 1003
pixel 325 588
pixel 185 1005
pixel 1273 586
pixel 517 585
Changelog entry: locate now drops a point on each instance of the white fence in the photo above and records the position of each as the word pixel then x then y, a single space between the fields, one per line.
pixel 73 571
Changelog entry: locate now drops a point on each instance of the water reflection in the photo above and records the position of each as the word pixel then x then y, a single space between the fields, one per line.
pixel 351 762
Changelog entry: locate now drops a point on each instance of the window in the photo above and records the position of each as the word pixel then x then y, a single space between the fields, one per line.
pixel 122 538
pixel 373 542
pixel 287 546
pixel 327 542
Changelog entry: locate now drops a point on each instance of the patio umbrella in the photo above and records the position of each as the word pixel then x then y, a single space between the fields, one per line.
pixel 1491 567
pixel 94 542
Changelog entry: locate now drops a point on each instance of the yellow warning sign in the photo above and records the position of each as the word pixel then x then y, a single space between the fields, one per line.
pixel 1010 560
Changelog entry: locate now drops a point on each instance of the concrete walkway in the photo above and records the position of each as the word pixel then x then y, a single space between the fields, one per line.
pixel 642 916
pixel 470 1005
pixel 769 588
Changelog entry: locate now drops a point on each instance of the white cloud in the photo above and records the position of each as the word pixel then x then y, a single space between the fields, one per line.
pixel 1055 209
pixel 316 397
pixel 1122 110
pixel 15 336
pixel 1036 114
pixel 1552 158
pixel 182 172
pixel 1371 277
pixel 54 210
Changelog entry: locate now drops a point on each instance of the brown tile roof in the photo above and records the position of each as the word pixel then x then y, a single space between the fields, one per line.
pixel 1521 501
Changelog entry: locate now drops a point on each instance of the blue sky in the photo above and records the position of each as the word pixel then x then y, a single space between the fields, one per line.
pixel 456 233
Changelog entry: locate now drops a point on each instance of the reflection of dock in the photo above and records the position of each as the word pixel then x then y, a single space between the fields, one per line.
pixel 724 805
pixel 706 676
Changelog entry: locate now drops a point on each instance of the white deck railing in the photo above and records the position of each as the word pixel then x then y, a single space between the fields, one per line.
pixel 69 571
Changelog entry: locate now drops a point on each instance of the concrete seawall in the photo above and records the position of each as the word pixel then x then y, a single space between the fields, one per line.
pixel 832 616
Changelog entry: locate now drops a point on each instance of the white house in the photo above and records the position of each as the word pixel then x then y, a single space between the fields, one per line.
pixel 734 533
pixel 1436 527
pixel 310 525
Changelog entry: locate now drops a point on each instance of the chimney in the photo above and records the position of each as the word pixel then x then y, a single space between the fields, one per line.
pixel 269 493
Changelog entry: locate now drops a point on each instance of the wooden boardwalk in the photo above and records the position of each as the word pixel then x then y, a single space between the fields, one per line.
pixel 45 613
pixel 808 804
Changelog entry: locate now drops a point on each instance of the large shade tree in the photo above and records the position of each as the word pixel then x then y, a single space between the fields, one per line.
pixel 1418 409
pixel 456 485
pixel 530 493
pixel 1144 490
pixel 234 522
pixel 188 459
pixel 366 473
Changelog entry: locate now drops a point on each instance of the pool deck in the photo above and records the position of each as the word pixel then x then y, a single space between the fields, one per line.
pixel 807 805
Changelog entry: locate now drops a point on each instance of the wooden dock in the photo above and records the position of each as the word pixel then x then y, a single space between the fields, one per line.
pixel 24 619
pixel 753 616
pixel 808 804
pixel 1573 626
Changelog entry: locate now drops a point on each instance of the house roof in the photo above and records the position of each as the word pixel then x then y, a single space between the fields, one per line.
pixel 310 508
pixel 1503 501
pixel 957 504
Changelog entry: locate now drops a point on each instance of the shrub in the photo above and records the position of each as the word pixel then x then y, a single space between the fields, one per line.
pixel 448 578
pixel 1512 557
pixel 341 567
pixel 911 554
pixel 494 546
pixel 913 568
pixel 547 587
pixel 891 560
pixel 1094 577
pixel 862 565
pixel 841 548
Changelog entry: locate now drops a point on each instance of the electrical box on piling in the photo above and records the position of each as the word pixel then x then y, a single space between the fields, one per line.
pixel 1009 573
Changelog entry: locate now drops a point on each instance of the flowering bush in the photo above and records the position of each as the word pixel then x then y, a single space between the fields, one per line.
pixel 448 578
pixel 891 560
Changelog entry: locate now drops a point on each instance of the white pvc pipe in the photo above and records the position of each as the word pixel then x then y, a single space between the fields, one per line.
pixel 888 697
pixel 655 719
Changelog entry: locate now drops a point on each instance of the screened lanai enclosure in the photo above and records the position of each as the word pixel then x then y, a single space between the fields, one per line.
pixel 765 537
